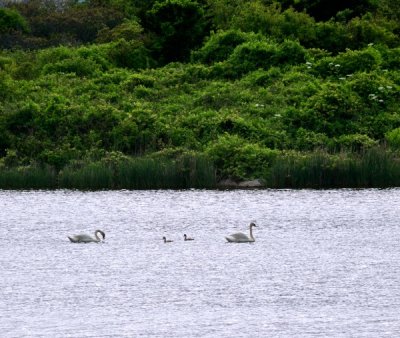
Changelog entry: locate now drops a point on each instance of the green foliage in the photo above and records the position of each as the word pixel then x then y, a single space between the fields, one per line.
pixel 349 62
pixel 129 30
pixel 269 86
pixel 130 54
pixel 5 85
pixel 83 61
pixel 271 21
pixel 180 26
pixel 308 140
pixel 366 30
pixel 250 56
pixel 238 159
pixel 355 142
pixel 331 36
pixel 393 138
pixel 11 20
pixel 333 110
pixel 219 46
pixel 325 10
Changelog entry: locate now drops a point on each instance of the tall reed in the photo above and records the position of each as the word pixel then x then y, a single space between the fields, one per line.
pixel 28 177
pixel 190 171
pixel 182 173
pixel 91 176
pixel 372 168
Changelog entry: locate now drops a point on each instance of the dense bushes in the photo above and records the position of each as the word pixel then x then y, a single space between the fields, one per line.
pixel 11 20
pixel 277 91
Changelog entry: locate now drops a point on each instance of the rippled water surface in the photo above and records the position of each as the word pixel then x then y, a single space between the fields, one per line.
pixel 324 264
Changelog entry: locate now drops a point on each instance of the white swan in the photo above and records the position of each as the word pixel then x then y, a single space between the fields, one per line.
pixel 240 237
pixel 83 238
pixel 186 238
pixel 167 240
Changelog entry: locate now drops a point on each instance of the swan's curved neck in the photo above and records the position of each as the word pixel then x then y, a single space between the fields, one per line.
pixel 251 232
pixel 98 239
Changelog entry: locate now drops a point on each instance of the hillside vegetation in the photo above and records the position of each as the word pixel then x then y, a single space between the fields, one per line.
pixel 298 93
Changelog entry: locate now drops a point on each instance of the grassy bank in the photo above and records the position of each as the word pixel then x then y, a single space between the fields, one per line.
pixel 374 168
pixel 317 170
pixel 129 173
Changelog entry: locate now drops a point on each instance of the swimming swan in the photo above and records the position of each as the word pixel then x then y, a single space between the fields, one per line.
pixel 241 237
pixel 167 240
pixel 186 238
pixel 83 238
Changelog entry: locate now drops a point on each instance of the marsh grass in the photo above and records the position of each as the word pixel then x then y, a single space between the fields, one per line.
pixel 182 173
pixel 132 173
pixel 29 177
pixel 92 176
pixel 373 168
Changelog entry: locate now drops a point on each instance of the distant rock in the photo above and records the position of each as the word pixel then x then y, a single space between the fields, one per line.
pixel 231 184
pixel 227 183
pixel 257 183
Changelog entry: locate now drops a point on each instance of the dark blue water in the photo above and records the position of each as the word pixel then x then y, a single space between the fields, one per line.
pixel 324 264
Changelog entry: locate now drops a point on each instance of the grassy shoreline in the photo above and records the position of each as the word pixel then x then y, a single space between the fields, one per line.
pixel 374 168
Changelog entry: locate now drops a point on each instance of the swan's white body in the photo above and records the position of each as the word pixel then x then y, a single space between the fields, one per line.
pixel 84 238
pixel 186 238
pixel 167 240
pixel 240 237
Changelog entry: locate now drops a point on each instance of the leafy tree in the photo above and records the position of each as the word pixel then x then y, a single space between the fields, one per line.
pixel 323 10
pixel 219 46
pixel 12 20
pixel 69 24
pixel 179 25
pixel 129 30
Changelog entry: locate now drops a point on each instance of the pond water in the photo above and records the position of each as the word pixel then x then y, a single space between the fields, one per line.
pixel 324 264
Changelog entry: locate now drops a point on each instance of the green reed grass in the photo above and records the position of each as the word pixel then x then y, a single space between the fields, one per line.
pixel 92 176
pixel 189 171
pixel 29 177
pixel 147 173
pixel 372 168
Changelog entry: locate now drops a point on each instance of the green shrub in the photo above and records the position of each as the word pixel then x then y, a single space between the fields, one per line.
pixel 393 138
pixel 129 30
pixel 130 54
pixel 270 20
pixel 333 110
pixel 390 58
pixel 238 159
pixel 331 36
pixel 10 20
pixel 219 46
pixel 179 26
pixel 83 61
pixel 251 56
pixel 308 140
pixel 138 79
pixel 366 30
pixel 349 62
pixel 355 142
pixel 291 53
